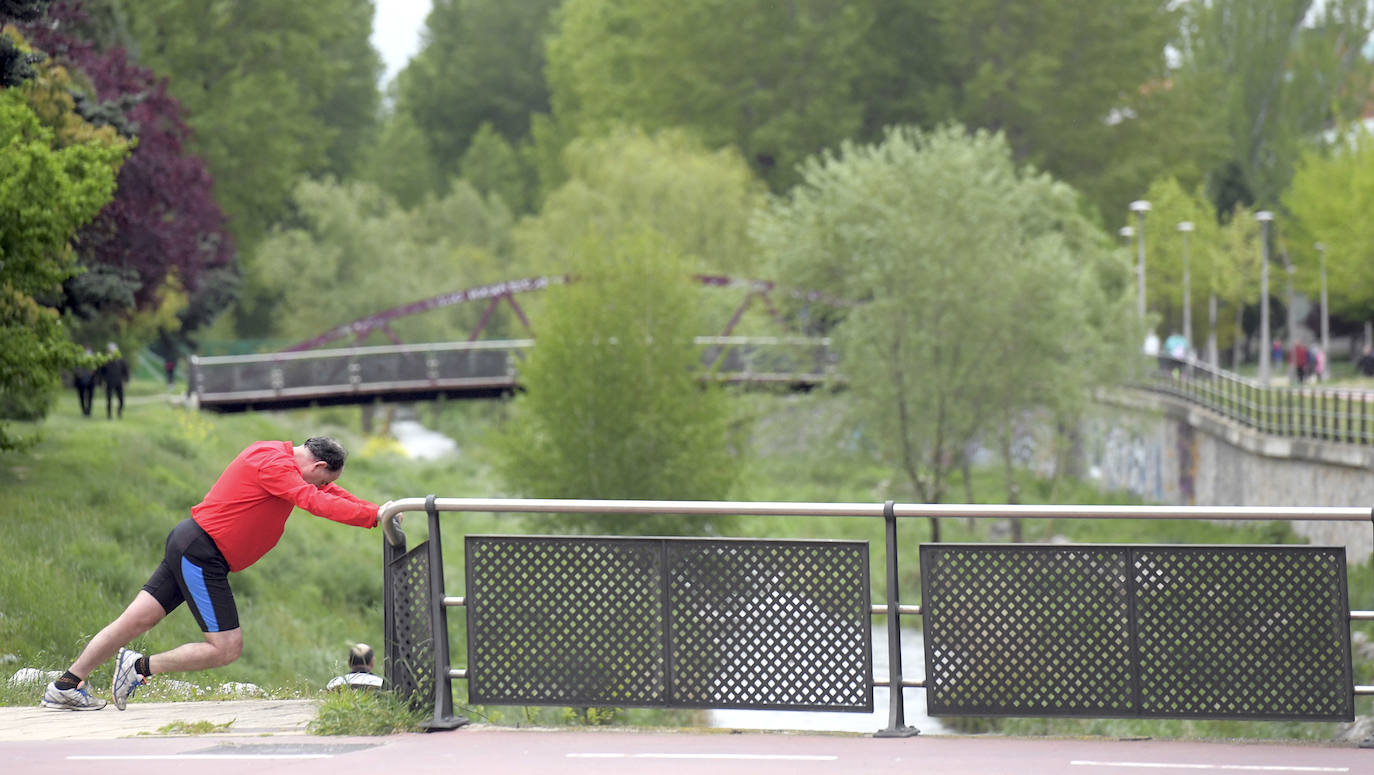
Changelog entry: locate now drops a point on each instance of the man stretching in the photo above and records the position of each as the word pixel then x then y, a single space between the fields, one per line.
pixel 240 519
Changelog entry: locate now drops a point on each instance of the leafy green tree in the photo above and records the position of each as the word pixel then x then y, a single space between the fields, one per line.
pixel 47 191
pixel 1276 73
pixel 355 252
pixel 1329 200
pixel 273 91
pixel 698 200
pixel 401 163
pixel 985 292
pixel 493 166
pixel 482 62
pixel 1171 206
pixel 613 406
pixel 628 180
pixel 778 81
pixel 1068 82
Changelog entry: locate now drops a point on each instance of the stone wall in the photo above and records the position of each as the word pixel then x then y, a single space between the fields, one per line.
pixel 1171 452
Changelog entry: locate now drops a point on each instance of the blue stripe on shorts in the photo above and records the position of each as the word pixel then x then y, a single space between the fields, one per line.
pixel 195 582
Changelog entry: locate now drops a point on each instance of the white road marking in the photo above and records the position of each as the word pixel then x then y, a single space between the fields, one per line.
pixel 1228 767
pixel 781 757
pixel 184 756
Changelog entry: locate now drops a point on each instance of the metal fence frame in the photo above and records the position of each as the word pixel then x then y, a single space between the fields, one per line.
pixel 890 512
pixel 1320 414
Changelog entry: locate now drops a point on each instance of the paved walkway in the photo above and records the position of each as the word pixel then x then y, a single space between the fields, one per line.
pixel 244 717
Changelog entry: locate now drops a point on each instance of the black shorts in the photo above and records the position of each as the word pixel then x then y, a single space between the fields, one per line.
pixel 194 571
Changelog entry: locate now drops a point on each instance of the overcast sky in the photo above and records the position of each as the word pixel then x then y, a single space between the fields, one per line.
pixel 396 27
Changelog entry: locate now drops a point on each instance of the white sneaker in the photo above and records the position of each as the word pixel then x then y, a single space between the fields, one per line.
pixel 70 699
pixel 126 678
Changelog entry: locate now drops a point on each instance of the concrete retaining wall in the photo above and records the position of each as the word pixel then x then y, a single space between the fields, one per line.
pixel 1169 451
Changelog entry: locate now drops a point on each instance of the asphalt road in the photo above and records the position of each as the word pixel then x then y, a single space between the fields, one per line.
pixel 574 752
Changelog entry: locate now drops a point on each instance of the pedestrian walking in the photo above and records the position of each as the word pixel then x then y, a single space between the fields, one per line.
pixel 240 519
pixel 83 379
pixel 114 373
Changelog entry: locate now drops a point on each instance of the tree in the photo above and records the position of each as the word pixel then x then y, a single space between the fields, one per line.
pixel 668 182
pixel 1208 262
pixel 778 81
pixel 1329 201
pixel 273 91
pixel 47 191
pixel 984 291
pixel 1277 73
pixel 481 62
pixel 613 406
pixel 401 163
pixel 164 230
pixel 354 252
pixel 1067 82
pixel 492 166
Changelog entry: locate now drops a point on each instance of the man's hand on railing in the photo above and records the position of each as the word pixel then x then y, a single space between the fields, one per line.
pixel 381 510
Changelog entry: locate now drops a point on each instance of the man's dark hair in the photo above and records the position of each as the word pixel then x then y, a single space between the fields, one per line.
pixel 327 451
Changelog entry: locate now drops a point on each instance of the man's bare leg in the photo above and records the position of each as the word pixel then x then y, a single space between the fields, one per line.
pixel 138 618
pixel 218 649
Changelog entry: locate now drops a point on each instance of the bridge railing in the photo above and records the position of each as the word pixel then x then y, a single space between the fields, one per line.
pixel 1305 412
pixel 1095 631
pixel 482 369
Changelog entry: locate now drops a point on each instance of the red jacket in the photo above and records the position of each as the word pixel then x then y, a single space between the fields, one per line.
pixel 245 512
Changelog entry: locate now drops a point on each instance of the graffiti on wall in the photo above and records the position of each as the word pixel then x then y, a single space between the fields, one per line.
pixel 1132 462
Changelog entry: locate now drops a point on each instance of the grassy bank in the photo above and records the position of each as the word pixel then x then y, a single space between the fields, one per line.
pixel 87 510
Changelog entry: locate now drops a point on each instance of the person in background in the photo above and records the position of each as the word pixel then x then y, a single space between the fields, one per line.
pixel 1366 362
pixel 83 379
pixel 114 374
pixel 359 676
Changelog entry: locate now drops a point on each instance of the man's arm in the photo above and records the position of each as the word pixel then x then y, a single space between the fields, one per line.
pixel 284 481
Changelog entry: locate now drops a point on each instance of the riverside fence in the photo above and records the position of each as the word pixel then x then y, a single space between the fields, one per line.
pixel 1323 414
pixel 1095 631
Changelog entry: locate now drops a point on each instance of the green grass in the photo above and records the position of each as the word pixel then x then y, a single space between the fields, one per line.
pixel 365 713
pixel 87 510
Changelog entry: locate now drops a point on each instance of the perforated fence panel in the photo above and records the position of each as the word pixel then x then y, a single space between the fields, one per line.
pixel 410 655
pixel 668 623
pixel 1137 631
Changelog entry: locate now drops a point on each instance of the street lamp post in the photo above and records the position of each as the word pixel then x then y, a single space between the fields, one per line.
pixel 1140 207
pixel 1184 228
pixel 1265 218
pixel 1326 318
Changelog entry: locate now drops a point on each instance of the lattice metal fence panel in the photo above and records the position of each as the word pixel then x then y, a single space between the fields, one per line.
pixel 1026 632
pixel 1137 631
pixel 668 623
pixel 410 656
pixel 556 621
pixel 777 625
pixel 1244 633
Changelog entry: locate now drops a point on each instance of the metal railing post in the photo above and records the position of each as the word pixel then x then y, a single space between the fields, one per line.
pixel 1368 742
pixel 393 547
pixel 896 722
pixel 443 683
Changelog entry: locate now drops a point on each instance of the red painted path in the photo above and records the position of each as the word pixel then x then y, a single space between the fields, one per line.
pixel 503 751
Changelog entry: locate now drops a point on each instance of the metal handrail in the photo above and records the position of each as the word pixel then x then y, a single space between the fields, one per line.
pixel 391 526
